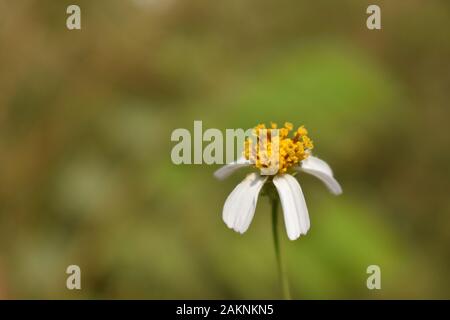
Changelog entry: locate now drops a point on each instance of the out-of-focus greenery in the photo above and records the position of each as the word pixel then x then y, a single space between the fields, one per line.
pixel 86 117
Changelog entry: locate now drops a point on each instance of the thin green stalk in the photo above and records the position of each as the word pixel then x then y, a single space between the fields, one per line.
pixel 276 241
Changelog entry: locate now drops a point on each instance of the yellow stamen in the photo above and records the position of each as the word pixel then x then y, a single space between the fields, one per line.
pixel 258 149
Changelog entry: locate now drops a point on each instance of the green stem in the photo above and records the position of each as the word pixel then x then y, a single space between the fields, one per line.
pixel 280 263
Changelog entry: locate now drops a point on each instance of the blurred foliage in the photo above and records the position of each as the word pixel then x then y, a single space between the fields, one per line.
pixel 85 124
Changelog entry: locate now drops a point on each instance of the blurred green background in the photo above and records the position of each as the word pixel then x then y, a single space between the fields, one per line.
pixel 86 117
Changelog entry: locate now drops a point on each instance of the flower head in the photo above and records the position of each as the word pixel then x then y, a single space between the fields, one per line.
pixel 270 148
pixel 259 149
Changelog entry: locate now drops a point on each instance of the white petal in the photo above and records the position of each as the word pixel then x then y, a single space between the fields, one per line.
pixel 230 168
pixel 295 212
pixel 240 205
pixel 320 169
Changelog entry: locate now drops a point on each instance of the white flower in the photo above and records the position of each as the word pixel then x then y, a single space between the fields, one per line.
pixel 240 205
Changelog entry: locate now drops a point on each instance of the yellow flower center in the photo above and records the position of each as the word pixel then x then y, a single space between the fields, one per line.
pixel 264 144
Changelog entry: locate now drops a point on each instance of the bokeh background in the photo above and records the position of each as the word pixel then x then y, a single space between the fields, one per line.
pixel 86 117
